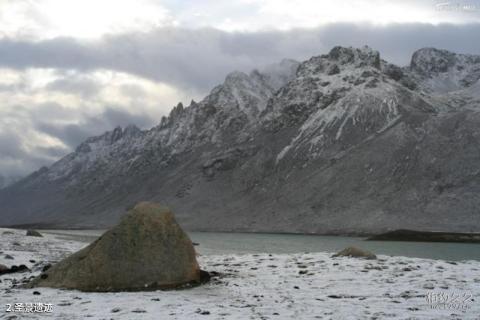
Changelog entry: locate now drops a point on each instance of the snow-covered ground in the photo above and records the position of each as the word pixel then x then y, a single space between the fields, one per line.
pixel 256 286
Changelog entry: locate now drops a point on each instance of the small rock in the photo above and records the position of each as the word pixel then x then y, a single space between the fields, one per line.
pixel 36 293
pixel 406 294
pixel 428 286
pixel 372 83
pixel 202 312
pixel 204 276
pixel 20 268
pixel 7 256
pixel 139 310
pixel 333 69
pixel 3 268
pixel 46 267
pixel 356 253
pixel 33 233
pixel 115 310
pixel 13 269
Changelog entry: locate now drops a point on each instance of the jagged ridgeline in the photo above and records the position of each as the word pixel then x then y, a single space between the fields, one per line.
pixel 341 143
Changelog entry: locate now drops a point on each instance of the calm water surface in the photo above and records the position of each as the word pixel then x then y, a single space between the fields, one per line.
pixel 225 243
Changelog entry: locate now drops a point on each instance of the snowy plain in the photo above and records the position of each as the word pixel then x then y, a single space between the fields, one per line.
pixel 255 286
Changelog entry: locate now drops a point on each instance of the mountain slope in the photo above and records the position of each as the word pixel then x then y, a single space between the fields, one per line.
pixel 341 143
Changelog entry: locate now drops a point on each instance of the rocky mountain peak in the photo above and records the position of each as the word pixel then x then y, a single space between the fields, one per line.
pixel 443 71
pixel 432 60
pixel 235 77
pixel 239 92
pixel 110 137
pixel 131 131
pixel 177 111
pixel 341 60
pixel 364 56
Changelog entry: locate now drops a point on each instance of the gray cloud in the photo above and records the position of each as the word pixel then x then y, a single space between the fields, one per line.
pixel 198 59
pixel 16 160
pixel 76 85
pixel 10 144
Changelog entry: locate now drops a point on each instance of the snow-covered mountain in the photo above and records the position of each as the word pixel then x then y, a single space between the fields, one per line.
pixel 341 143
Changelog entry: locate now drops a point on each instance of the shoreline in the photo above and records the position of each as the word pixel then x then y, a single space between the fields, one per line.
pixel 426 236
pixel 407 235
pixel 245 243
pixel 273 286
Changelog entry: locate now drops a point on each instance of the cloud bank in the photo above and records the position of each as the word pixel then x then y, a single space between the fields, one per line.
pixel 197 59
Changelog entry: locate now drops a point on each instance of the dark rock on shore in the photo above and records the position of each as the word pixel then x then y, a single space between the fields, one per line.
pixel 356 253
pixel 427 236
pixel 147 251
pixel 13 269
pixel 33 233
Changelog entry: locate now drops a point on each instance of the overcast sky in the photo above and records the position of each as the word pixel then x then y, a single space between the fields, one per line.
pixel 70 69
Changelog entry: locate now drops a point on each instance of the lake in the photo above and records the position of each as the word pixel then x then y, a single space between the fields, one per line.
pixel 228 243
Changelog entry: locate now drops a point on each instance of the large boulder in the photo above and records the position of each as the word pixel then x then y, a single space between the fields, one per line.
pixel 355 253
pixel 147 251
